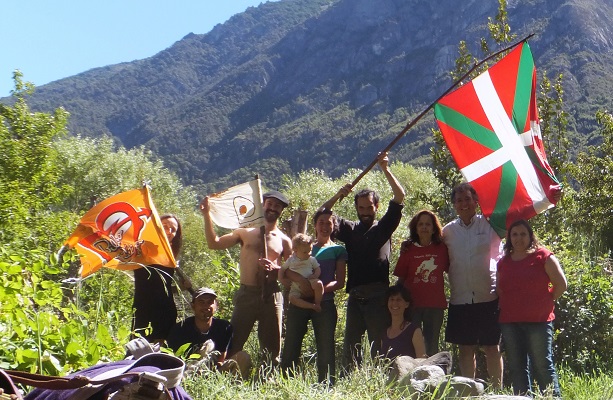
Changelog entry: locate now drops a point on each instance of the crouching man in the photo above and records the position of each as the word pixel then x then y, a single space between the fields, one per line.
pixel 208 335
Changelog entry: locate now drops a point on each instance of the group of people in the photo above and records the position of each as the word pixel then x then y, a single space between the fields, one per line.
pixel 495 291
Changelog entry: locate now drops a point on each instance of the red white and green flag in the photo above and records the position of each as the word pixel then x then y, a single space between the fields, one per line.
pixel 491 128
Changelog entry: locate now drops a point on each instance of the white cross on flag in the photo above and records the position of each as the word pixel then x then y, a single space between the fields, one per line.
pixel 492 130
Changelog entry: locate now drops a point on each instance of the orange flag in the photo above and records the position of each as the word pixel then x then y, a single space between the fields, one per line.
pixel 122 232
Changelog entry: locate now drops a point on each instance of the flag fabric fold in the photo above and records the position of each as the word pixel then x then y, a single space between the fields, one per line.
pixel 238 207
pixel 122 232
pixel 492 130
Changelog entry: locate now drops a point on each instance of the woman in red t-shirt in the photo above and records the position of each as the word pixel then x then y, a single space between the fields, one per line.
pixel 529 280
pixel 420 269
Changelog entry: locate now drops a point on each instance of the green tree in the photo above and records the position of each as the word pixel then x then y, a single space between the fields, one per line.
pixel 42 332
pixel 554 124
pixel 551 225
pixel 593 172
pixel 444 167
pixel 47 181
pixel 28 169
pixel 463 62
pixel 499 27
pixel 95 168
pixel 583 316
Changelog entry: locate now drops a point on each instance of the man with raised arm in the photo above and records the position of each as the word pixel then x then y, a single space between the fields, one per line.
pixel 368 246
pixel 259 297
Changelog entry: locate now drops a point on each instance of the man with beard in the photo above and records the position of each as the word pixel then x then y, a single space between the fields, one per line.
pixel 204 327
pixel 368 245
pixel 259 297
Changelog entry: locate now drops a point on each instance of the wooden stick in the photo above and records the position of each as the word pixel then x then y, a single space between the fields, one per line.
pixel 263 275
pixel 421 114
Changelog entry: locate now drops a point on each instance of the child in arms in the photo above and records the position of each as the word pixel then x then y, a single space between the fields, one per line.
pixel 307 266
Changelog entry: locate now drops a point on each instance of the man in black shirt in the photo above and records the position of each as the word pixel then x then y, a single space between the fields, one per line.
pixel 368 245
pixel 204 326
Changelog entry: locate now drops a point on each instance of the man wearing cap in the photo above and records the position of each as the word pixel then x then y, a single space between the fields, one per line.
pixel 204 326
pixel 259 297
pixel 368 246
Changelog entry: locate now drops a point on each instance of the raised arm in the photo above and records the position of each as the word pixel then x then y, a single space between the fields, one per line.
pixel 342 192
pixel 397 189
pixel 212 240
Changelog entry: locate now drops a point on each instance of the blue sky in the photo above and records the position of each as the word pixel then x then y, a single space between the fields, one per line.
pixel 52 39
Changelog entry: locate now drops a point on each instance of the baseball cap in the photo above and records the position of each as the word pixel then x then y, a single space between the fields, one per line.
pixel 276 195
pixel 202 291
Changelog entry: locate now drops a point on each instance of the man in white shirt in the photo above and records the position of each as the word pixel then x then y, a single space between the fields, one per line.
pixel 474 250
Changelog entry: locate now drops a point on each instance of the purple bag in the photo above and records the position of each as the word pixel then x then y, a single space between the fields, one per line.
pixel 139 379
pixel 8 388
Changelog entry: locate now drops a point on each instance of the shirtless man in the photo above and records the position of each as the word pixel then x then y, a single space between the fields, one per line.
pixel 259 297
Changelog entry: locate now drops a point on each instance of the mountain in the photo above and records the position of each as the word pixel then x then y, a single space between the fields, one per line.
pixel 297 84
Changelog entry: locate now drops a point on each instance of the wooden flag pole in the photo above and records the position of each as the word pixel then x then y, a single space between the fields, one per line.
pixel 262 274
pixel 264 249
pixel 421 114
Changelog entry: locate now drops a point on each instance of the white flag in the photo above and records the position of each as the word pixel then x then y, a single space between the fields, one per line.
pixel 238 207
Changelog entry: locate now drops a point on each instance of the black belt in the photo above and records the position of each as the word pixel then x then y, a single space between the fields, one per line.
pixel 363 294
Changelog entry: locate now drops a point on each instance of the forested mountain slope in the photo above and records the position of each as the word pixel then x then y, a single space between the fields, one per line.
pixel 297 84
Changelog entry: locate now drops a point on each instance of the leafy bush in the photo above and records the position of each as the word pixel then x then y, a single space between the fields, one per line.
pixel 593 171
pixel 584 317
pixel 42 330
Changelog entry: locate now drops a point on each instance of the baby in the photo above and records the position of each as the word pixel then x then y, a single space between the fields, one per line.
pixel 304 264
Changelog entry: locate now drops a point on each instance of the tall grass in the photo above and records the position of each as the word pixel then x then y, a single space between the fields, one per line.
pixel 594 385
pixel 368 382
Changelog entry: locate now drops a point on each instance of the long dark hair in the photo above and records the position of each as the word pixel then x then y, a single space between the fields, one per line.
pixel 177 241
pixel 436 225
pixel 402 291
pixel 508 246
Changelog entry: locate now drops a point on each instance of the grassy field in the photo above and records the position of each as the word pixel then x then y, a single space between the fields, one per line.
pixel 369 382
